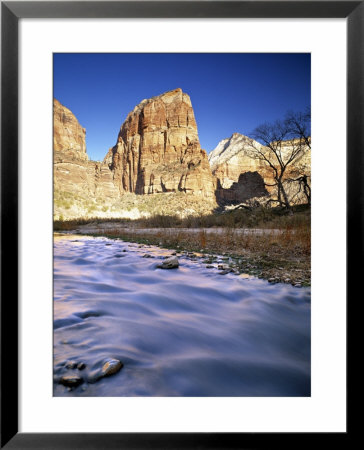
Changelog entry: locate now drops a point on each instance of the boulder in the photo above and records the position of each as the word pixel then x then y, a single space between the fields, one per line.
pixel 169 263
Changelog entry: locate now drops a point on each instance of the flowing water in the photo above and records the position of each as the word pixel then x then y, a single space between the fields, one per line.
pixel 181 332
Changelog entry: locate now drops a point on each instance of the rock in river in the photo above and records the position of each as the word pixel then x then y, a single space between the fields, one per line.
pixel 71 380
pixel 110 367
pixel 71 365
pixel 169 263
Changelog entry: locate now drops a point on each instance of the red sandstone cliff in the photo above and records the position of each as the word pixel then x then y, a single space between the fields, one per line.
pixel 158 149
pixel 68 135
pixel 73 172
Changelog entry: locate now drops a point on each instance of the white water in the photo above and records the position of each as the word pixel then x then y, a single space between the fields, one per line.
pixel 181 332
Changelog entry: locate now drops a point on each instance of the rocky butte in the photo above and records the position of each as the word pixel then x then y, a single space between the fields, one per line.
pixel 158 149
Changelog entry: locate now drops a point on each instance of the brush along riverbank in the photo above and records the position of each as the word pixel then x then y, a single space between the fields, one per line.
pixel 275 255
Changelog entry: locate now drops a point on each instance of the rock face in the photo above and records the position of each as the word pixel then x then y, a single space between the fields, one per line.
pixel 74 173
pixel 249 185
pixel 68 135
pixel 241 177
pixel 230 159
pixel 158 149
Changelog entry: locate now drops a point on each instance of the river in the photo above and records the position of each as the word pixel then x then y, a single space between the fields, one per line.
pixel 180 332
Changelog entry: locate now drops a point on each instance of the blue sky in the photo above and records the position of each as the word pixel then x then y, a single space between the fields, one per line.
pixel 230 92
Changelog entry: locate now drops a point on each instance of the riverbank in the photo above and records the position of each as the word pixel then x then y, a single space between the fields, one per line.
pixel 275 255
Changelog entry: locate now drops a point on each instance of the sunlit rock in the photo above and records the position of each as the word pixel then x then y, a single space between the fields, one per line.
pixel 169 263
pixel 158 149
pixel 110 367
pixel 71 380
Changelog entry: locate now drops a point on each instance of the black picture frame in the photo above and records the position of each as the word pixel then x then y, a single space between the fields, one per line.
pixel 11 12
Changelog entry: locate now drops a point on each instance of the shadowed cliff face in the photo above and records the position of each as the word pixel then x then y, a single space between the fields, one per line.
pixel 158 149
pixel 248 186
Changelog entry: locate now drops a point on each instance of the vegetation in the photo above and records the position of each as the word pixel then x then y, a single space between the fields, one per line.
pixel 260 217
pixel 282 145
pixel 266 242
pixel 131 206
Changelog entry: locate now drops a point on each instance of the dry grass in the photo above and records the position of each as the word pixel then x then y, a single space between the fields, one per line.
pixel 257 218
pixel 71 206
pixel 282 256
pixel 280 250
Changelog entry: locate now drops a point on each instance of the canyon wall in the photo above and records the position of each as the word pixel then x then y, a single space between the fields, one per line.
pixel 69 137
pixel 73 172
pixel 158 151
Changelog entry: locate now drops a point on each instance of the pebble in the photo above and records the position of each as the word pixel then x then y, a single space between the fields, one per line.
pixel 209 266
pixel 81 366
pixel 110 367
pixel 71 380
pixel 71 365
pixel 272 280
pixel 147 255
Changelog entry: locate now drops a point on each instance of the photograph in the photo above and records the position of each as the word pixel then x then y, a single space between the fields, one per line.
pixel 181 224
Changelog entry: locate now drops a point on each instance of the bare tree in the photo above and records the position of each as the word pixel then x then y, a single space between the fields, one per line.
pixel 280 146
pixel 299 125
